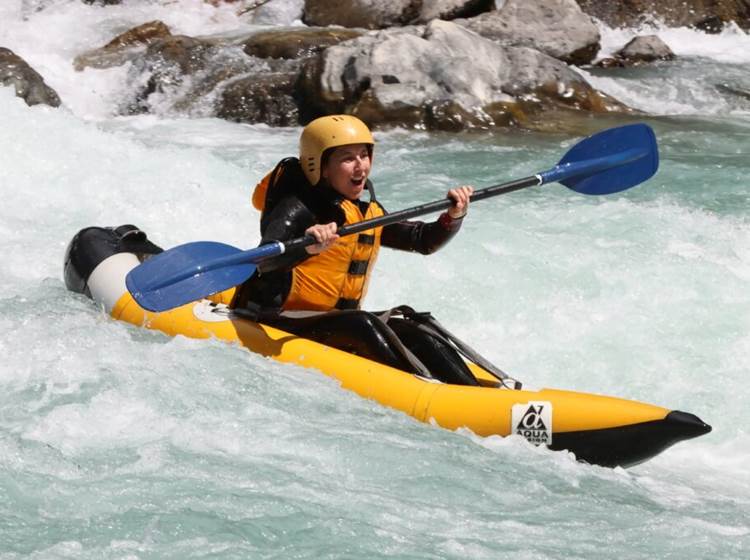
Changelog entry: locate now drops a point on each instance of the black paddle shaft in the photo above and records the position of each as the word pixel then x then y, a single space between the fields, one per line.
pixel 420 210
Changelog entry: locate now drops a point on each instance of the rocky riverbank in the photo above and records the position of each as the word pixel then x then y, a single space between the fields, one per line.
pixel 443 65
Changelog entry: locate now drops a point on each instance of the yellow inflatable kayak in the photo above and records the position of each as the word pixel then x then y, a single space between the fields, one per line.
pixel 598 429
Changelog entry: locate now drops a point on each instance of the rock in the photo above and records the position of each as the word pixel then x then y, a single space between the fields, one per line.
pixel 444 77
pixel 672 12
pixel 640 50
pixel 295 42
pixel 102 2
pixel 556 27
pixel 263 98
pixel 248 79
pixel 611 62
pixel 369 14
pixel 185 53
pixel 646 48
pixel 144 34
pixel 29 85
pixel 271 97
pixel 452 9
pixel 216 77
pixel 713 25
pixel 122 48
pixel 166 63
pixel 734 91
pixel 379 14
pixel 441 76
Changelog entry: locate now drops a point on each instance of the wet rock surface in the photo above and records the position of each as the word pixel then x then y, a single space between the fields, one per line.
pixel 124 47
pixel 556 27
pixel 28 83
pixel 446 78
pixel 639 50
pixel 295 42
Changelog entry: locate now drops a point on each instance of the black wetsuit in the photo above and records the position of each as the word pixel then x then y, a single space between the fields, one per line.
pixel 359 332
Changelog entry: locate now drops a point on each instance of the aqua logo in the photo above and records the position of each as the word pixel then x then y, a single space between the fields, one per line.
pixel 533 421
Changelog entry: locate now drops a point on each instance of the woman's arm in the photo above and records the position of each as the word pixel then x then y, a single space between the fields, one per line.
pixel 421 237
pixel 288 220
pixel 427 238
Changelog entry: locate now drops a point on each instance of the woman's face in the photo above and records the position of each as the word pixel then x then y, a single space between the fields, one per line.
pixel 347 170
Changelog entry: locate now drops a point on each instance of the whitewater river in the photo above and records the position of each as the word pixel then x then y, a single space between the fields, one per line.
pixel 120 443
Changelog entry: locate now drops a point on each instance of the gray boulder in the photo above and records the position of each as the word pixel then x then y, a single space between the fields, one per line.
pixel 379 14
pixel 369 14
pixel 28 83
pixel 444 77
pixel 646 48
pixel 640 50
pixel 556 27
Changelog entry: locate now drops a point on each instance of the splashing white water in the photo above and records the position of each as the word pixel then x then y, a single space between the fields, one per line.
pixel 708 75
pixel 118 442
pixel 730 46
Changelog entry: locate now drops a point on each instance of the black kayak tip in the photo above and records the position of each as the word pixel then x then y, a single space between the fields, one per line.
pixel 629 445
pixel 685 425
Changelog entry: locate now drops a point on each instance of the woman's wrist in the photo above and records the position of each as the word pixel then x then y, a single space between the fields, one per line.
pixel 449 222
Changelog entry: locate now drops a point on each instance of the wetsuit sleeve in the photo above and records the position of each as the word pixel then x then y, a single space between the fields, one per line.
pixel 420 237
pixel 288 220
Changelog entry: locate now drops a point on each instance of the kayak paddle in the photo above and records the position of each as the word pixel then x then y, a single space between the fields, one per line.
pixel 607 162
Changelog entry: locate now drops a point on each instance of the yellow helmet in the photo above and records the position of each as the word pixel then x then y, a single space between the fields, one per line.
pixel 329 132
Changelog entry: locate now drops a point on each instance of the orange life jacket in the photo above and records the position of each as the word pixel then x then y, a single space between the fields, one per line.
pixel 338 277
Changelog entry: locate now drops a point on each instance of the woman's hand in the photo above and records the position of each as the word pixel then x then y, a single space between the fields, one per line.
pixel 324 234
pixel 460 197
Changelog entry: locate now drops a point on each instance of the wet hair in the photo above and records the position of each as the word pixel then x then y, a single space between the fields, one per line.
pixel 324 157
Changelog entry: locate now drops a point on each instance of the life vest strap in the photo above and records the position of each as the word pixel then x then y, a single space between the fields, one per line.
pixel 366 239
pixel 358 268
pixel 345 303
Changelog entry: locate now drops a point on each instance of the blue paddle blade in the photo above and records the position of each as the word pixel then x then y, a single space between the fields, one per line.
pixel 187 273
pixel 609 161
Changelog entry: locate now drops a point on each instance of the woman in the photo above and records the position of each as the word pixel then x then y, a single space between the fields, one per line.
pixel 316 291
